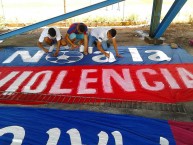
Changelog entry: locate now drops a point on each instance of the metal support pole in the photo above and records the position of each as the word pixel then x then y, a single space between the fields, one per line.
pixel 58 18
pixel 64 6
pixel 155 18
pixel 173 11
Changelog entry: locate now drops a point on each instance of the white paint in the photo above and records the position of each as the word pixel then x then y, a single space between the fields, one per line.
pixel 140 74
pixel 126 82
pixel 15 80
pixel 135 54
pixel 170 79
pixel 98 58
pixel 84 81
pixel 8 78
pixel 103 138
pixel 17 131
pixel 164 141
pixel 25 56
pixel 41 86
pixel 111 58
pixel 54 135
pixel 56 88
pixel 15 85
pixel 158 56
pixel 75 137
pixel 118 137
pixel 186 76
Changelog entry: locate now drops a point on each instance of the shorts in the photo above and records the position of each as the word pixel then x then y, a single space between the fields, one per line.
pixel 54 41
pixel 92 39
pixel 77 36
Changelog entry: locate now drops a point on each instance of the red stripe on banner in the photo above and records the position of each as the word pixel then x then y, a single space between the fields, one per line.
pixel 182 131
pixel 152 83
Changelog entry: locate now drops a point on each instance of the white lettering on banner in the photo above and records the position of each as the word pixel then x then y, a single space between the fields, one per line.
pixel 118 137
pixel 158 56
pixel 136 57
pixel 40 87
pixel 13 87
pixel 158 85
pixel 17 131
pixel 8 78
pixel 54 135
pixel 82 89
pixel 56 88
pixel 164 141
pixel 186 76
pixel 25 56
pixel 99 59
pixel 170 79
pixel 121 77
pixel 103 138
pixel 75 137
pixel 126 83
pixel 135 54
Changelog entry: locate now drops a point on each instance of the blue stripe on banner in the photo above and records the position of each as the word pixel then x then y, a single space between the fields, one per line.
pixel 137 55
pixel 41 126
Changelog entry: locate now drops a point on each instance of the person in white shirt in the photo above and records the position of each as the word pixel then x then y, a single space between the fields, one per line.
pixel 51 36
pixel 100 35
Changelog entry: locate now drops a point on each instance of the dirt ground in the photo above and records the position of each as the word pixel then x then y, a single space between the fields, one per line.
pixel 128 36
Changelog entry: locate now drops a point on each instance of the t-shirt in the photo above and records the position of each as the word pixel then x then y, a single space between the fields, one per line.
pixel 45 34
pixel 100 33
pixel 73 28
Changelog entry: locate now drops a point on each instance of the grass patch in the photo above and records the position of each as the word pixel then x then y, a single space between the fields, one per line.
pixel 2 23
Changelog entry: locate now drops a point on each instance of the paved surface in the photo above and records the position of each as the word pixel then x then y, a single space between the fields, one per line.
pixel 128 37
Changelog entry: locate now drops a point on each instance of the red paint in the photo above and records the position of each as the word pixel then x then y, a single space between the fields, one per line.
pixel 182 131
pixel 104 82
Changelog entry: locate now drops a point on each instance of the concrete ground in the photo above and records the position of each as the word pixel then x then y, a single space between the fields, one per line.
pixel 128 36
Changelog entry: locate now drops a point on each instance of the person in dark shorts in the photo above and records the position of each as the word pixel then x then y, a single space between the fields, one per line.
pixel 51 36
pixel 100 36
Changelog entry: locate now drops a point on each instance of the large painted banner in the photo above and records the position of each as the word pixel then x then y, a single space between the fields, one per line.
pixel 136 55
pixel 30 126
pixel 145 73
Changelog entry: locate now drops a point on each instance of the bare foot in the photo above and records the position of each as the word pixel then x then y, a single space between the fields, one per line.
pixel 85 52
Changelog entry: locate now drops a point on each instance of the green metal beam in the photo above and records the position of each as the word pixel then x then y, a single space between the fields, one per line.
pixel 155 18
pixel 173 11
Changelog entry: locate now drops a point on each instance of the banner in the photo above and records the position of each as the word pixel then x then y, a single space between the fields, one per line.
pixel 25 126
pixel 137 55
pixel 165 76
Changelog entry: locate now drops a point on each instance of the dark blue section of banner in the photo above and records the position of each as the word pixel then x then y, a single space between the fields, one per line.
pixel 134 55
pixel 40 126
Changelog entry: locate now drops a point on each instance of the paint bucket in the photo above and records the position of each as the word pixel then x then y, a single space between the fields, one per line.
pixel 90 50
pixel 81 49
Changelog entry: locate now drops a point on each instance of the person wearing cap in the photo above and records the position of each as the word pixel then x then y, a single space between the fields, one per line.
pixel 51 36
pixel 77 31
pixel 101 35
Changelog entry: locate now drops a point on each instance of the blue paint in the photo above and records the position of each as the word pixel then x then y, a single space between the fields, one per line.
pixel 26 56
pixel 176 7
pixel 36 122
